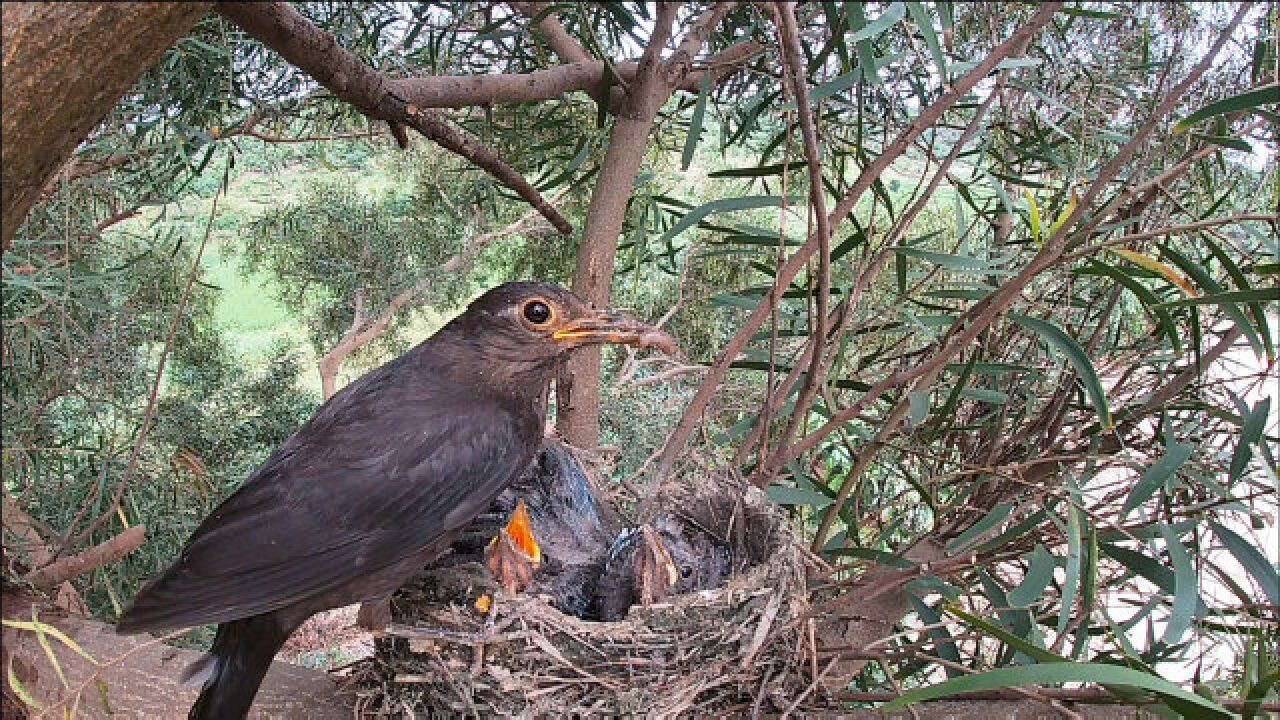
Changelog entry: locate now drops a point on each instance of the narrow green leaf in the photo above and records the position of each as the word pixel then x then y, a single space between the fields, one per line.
pixel 991 397
pixel 1039 654
pixel 1017 530
pixel 917 406
pixel 1088 13
pixel 1230 297
pixel 1157 476
pixel 21 690
pixel 1253 561
pixel 924 23
pixel 1254 425
pixel 887 19
pixel 1205 280
pixel 1139 564
pixel 695 123
pixel 993 518
pixel 1253 701
pixel 1035 217
pixel 1265 95
pixel 1148 300
pixel 1071 581
pixel 835 86
pixel 1258 309
pixel 1230 143
pixel 1066 345
pixel 1186 594
pixel 1088 590
pixel 866 54
pixel 696 215
pixel 959 263
pixel 1059 672
pixel 943 643
pixel 1039 573
pixel 953 398
pixel 760 171
pixel 784 495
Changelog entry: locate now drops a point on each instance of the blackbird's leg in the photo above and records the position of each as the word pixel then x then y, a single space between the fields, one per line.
pixel 375 614
pixel 656 574
pixel 513 554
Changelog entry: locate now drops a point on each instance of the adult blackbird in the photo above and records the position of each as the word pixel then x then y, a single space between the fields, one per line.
pixel 665 556
pixel 377 484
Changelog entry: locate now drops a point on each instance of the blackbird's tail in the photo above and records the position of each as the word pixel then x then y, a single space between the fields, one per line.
pixel 234 668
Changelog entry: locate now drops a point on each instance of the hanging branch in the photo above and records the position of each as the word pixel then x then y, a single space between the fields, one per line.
pixel 316 52
pixel 578 390
pixel 789 38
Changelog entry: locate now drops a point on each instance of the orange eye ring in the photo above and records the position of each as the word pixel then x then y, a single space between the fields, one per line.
pixel 537 313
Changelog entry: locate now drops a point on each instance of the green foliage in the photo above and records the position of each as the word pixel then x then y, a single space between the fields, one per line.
pixel 1099 499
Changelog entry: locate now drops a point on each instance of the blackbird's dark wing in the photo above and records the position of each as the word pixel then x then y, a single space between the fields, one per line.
pixel 367 482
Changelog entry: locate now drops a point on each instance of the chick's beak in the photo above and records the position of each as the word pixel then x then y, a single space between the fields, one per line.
pixel 657 574
pixel 613 327
pixel 513 555
pixel 521 533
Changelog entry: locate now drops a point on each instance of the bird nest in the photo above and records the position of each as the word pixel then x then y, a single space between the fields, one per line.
pixel 730 649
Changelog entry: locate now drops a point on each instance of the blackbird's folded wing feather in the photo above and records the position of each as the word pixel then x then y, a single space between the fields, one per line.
pixel 362 485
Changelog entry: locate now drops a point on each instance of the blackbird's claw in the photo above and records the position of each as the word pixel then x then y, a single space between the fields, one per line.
pixel 513 554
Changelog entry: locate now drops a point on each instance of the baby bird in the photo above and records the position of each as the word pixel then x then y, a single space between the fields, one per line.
pixel 554 543
pixel 666 556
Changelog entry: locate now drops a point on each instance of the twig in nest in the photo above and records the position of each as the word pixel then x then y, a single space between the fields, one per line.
pixel 762 630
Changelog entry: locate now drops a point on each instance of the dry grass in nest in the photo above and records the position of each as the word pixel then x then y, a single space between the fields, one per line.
pixel 720 651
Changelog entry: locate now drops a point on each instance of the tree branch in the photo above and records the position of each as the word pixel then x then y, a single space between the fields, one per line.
pixel 578 388
pixel 986 311
pixel 458 91
pixel 56 573
pixel 930 115
pixel 65 66
pixel 298 40
pixel 789 39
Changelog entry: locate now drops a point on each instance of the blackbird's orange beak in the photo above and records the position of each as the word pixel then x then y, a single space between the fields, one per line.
pixel 613 327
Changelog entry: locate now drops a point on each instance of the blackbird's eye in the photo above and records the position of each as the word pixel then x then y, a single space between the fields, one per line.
pixel 685 571
pixel 537 312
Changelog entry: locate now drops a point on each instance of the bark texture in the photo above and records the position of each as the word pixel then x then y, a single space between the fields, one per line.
pixel 65 66
pixel 140 676
pixel 578 419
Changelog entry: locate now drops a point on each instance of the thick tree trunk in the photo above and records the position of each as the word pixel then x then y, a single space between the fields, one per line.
pixel 578 422
pixel 578 419
pixel 65 66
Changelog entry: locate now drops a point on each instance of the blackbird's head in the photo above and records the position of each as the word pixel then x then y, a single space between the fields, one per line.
pixel 525 326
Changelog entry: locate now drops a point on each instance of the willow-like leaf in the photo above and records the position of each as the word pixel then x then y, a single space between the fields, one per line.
pixel 1075 354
